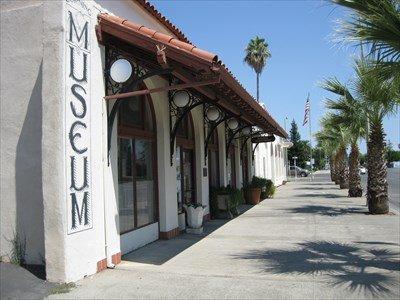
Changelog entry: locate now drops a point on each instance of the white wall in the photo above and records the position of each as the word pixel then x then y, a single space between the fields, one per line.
pixel 273 153
pixel 21 128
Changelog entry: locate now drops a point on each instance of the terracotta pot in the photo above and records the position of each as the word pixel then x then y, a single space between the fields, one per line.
pixel 255 195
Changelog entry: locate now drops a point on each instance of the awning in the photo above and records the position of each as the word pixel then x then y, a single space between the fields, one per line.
pixel 189 62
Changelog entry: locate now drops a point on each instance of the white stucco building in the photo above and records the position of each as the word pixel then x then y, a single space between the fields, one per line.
pixel 86 179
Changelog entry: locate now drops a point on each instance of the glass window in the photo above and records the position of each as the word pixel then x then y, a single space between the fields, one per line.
pixel 136 174
pixel 125 185
pixel 144 182
pixel 136 112
pixel 131 112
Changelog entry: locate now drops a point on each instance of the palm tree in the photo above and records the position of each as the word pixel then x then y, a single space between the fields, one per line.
pixel 380 98
pixel 375 23
pixel 351 115
pixel 325 142
pixel 337 135
pixel 257 53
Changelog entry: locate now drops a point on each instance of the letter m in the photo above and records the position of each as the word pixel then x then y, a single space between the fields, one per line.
pixel 72 30
pixel 79 215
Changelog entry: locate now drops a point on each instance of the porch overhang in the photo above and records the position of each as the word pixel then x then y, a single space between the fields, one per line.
pixel 189 64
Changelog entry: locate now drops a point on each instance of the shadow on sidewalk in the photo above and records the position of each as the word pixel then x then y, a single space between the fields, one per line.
pixel 326 210
pixel 367 271
pixel 161 251
pixel 323 195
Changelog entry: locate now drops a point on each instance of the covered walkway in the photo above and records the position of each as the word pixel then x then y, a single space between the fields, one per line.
pixel 310 241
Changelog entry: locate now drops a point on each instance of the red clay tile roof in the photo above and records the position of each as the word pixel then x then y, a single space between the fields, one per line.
pixel 163 20
pixel 160 37
pixel 189 55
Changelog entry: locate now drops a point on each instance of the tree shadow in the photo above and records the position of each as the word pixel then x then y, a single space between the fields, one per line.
pixel 317 188
pixel 325 210
pixel 322 195
pixel 360 270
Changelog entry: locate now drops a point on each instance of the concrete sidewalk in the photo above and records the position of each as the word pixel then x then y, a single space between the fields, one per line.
pixel 310 241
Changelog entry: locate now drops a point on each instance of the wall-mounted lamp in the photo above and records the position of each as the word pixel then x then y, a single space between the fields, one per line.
pixel 121 70
pixel 233 123
pixel 246 130
pixel 213 113
pixel 181 98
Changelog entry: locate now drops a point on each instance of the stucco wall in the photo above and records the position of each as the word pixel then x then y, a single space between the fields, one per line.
pixel 273 154
pixel 21 127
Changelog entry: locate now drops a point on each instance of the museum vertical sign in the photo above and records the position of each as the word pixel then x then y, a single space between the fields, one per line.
pixel 77 119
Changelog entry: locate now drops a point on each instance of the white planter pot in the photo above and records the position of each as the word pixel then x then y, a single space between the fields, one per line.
pixel 181 221
pixel 195 216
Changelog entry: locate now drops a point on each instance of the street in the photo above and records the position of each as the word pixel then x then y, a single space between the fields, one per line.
pixel 393 179
pixel 309 242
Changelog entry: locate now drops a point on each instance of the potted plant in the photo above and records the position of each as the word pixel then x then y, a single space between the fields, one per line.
pixel 236 198
pixel 224 200
pixel 195 213
pixel 257 183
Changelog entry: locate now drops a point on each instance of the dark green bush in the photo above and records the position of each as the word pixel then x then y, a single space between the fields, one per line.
pixel 236 198
pixel 269 189
pixel 258 182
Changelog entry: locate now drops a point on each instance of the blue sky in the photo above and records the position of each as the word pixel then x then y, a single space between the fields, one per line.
pixel 299 34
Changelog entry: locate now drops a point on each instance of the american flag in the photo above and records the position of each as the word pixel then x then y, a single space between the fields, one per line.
pixel 307 112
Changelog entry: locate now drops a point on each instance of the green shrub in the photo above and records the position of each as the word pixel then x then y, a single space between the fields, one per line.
pixel 235 199
pixel 269 189
pixel 258 182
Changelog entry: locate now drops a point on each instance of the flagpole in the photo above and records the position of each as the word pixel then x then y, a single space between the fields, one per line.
pixel 309 124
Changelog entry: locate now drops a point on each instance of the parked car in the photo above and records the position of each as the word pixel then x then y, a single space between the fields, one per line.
pixel 300 172
pixel 362 170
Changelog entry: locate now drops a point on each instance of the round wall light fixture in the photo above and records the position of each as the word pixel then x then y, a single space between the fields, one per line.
pixel 121 70
pixel 213 113
pixel 246 130
pixel 233 124
pixel 181 98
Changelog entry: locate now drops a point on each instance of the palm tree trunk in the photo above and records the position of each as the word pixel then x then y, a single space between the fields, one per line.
pixel 258 86
pixel 332 167
pixel 336 169
pixel 343 170
pixel 355 189
pixel 377 188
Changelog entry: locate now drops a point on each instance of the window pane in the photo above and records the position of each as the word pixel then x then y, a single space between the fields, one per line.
pixel 131 112
pixel 188 184
pixel 144 182
pixel 213 168
pixel 125 185
pixel 178 178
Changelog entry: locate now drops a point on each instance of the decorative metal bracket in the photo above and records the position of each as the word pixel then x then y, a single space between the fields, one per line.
pixel 232 136
pixel 252 153
pixel 179 114
pixel 246 139
pixel 214 124
pixel 139 75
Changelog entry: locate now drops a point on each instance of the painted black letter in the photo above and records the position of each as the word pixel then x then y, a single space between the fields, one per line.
pixel 82 213
pixel 85 174
pixel 73 135
pixel 78 37
pixel 72 66
pixel 80 98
